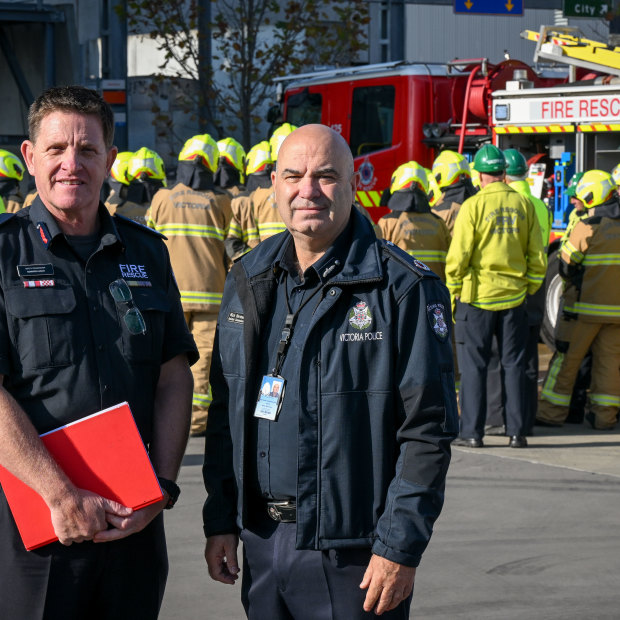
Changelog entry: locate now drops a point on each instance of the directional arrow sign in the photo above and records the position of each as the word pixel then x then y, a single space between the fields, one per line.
pixel 589 8
pixel 489 7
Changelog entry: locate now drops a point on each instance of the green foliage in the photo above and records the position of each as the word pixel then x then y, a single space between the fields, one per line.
pixel 253 41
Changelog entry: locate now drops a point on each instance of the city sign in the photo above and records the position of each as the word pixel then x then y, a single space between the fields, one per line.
pixel 589 8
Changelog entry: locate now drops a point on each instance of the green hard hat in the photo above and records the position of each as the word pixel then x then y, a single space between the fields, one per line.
pixel 516 166
pixel 489 159
pixel 572 184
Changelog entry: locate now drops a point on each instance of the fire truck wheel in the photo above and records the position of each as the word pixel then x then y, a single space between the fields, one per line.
pixel 553 295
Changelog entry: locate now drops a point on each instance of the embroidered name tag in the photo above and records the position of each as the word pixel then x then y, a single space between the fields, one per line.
pixel 32 271
pixel 235 317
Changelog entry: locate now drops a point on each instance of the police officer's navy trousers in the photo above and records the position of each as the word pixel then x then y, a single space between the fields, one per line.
pixel 474 333
pixel 280 582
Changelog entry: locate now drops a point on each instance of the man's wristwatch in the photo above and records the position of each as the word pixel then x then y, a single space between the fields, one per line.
pixel 173 490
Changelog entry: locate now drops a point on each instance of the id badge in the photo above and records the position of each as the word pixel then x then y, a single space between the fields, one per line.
pixel 270 397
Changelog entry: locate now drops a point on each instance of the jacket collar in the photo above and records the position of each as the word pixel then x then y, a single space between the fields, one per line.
pixel 50 231
pixel 362 262
pixel 610 209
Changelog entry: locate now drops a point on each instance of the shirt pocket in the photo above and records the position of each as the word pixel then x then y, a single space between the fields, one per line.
pixel 43 331
pixel 154 306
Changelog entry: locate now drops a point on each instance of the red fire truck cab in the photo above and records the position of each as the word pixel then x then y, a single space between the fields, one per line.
pixel 397 112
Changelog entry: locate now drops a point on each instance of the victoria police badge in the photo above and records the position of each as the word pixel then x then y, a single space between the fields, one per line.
pixel 360 317
pixel 436 314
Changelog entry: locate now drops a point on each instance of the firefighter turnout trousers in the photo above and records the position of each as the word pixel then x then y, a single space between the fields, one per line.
pixel 604 396
pixel 202 325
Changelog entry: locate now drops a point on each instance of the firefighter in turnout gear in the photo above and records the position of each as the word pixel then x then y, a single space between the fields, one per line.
pixel 229 175
pixel 146 176
pixel 453 176
pixel 11 173
pixel 495 259
pixel 255 216
pixel 412 226
pixel 194 217
pixel 118 181
pixel 590 262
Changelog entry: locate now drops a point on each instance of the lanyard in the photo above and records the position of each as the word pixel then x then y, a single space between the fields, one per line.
pixel 289 324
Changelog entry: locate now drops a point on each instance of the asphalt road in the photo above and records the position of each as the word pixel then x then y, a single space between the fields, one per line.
pixel 525 534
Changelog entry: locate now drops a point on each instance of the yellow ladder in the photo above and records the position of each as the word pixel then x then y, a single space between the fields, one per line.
pixel 562 44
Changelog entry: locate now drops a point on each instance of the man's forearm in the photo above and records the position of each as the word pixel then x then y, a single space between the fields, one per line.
pixel 172 417
pixel 25 456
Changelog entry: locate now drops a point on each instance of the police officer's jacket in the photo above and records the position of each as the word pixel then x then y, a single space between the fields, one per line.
pixel 373 438
pixel 195 223
pixel 496 256
pixel 590 260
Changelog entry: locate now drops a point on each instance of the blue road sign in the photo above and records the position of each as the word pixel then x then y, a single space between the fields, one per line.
pixel 488 7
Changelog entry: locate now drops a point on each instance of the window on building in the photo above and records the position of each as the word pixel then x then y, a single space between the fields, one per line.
pixel 372 119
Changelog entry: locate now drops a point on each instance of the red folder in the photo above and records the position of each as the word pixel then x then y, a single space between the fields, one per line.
pixel 102 453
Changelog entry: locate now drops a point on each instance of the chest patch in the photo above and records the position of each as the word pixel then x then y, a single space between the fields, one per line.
pixel 235 317
pixel 133 271
pixel 360 317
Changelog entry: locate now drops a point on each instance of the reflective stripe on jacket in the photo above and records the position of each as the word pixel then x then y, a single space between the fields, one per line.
pixel 195 224
pixel 592 254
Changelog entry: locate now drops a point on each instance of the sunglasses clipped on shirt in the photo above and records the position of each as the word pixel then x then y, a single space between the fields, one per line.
pixel 121 293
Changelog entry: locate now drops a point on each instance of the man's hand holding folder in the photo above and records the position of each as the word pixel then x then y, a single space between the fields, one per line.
pixel 80 515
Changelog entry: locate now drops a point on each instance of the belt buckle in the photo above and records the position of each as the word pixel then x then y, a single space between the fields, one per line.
pixel 283 512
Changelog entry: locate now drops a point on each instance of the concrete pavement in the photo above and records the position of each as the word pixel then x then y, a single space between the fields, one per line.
pixel 531 533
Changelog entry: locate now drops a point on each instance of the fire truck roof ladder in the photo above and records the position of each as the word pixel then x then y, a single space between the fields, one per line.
pixel 327 73
pixel 562 44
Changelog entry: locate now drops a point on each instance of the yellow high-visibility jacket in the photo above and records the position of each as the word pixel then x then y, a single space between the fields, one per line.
pixel 496 256
pixel 542 212
pixel 195 224
pixel 592 253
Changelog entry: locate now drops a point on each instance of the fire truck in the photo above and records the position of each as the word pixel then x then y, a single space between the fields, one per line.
pixel 563 129
pixel 564 121
pixel 396 112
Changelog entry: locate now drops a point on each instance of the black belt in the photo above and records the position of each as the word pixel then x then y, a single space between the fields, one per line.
pixel 284 512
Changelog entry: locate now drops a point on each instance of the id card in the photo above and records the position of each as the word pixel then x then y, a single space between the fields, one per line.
pixel 270 397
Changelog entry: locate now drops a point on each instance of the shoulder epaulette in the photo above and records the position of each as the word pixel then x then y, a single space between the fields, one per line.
pixel 392 215
pixel 595 219
pixel 5 217
pixel 411 262
pixel 142 227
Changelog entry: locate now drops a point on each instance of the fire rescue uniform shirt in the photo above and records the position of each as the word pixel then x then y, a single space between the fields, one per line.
pixel 590 262
pixel 373 437
pixel 66 353
pixel 424 236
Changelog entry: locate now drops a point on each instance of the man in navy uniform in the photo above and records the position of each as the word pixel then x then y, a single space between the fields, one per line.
pixel 90 317
pixel 335 487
